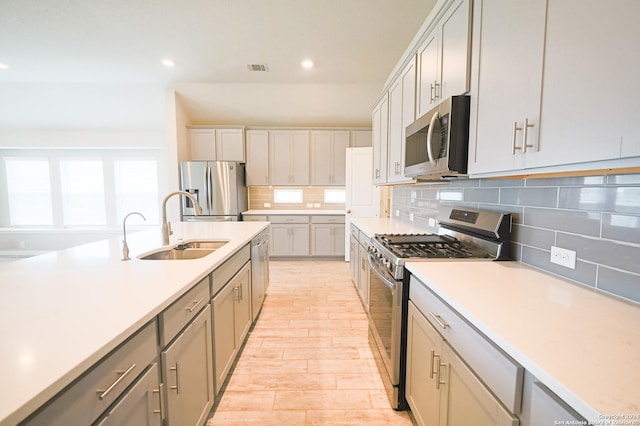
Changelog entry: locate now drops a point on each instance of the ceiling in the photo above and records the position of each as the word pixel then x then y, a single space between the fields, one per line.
pixel 62 42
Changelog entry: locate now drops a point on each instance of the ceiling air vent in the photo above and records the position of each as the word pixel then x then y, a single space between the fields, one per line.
pixel 257 67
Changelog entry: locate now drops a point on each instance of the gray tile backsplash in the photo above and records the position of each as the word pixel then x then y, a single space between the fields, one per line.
pixel 597 216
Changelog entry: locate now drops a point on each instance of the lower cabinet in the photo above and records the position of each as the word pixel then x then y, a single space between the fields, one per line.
pixel 363 275
pixel 441 389
pixel 289 239
pixel 327 239
pixel 187 371
pixel 540 406
pixel 141 405
pixel 231 322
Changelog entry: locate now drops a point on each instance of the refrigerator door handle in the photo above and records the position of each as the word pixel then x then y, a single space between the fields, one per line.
pixel 210 191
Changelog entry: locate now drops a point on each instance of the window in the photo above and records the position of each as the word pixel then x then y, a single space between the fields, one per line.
pixel 287 196
pixel 29 191
pixel 77 188
pixel 334 196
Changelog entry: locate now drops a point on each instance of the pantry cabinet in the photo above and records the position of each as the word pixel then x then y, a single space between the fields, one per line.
pixel 379 139
pixel 257 168
pixel 217 144
pixel 401 114
pixel 444 58
pixel 289 157
pixel 328 157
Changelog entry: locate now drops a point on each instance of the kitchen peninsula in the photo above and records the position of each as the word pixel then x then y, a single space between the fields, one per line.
pixel 63 312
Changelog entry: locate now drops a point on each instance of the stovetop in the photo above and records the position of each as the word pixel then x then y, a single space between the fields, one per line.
pixel 426 246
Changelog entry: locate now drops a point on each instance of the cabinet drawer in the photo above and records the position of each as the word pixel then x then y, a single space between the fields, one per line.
pixel 354 231
pixel 364 239
pixel 223 273
pixel 496 369
pixel 289 219
pixel 86 399
pixel 327 219
pixel 254 218
pixel 177 316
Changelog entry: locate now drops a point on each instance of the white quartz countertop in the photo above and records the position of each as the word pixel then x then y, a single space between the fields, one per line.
pixel 581 344
pixel 63 311
pixel 294 212
pixel 375 225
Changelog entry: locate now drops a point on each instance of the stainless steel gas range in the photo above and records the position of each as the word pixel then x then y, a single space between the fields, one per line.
pixel 464 235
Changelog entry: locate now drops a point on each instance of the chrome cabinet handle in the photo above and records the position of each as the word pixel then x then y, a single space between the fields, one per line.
pixel 442 323
pixel 439 380
pixel 160 406
pixel 177 370
pixel 194 305
pixel 514 145
pixel 435 90
pixel 434 355
pixel 103 393
pixel 526 127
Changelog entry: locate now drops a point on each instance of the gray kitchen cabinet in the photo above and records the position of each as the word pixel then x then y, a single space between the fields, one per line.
pixel 379 139
pixel 363 272
pixel 289 235
pixel 289 157
pixel 141 405
pixel 217 144
pixel 540 406
pixel 402 97
pixel 257 168
pixel 328 157
pixel 327 235
pixel 231 321
pixel 441 389
pixel 187 371
pixel 353 255
pixel 87 399
pixel 444 58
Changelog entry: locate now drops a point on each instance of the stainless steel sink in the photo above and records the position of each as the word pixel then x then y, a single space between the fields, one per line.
pixel 185 251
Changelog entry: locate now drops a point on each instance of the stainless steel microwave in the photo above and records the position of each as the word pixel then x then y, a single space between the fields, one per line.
pixel 437 143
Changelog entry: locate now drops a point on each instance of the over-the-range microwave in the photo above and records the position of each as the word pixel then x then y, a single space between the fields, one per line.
pixel 437 143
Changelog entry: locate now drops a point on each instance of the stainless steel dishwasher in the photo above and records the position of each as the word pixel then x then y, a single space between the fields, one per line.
pixel 259 270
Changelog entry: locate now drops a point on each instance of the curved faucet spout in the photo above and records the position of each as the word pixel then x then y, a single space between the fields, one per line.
pixel 125 247
pixel 166 226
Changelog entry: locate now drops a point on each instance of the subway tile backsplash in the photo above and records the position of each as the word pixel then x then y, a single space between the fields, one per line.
pixel 597 216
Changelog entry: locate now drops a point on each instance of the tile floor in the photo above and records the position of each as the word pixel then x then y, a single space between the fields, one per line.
pixel 307 361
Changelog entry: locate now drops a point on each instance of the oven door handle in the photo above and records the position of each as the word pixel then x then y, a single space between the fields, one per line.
pixel 384 279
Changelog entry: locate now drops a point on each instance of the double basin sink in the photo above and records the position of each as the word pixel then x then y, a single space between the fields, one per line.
pixel 185 251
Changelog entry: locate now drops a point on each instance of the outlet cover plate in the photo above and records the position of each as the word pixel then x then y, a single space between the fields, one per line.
pixel 563 257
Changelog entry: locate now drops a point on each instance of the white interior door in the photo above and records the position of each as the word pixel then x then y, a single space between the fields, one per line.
pixel 362 196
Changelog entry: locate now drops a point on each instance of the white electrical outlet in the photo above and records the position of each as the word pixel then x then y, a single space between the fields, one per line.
pixel 267 205
pixel 309 205
pixel 563 257
pixel 397 213
pixel 411 217
pixel 316 205
pixel 432 222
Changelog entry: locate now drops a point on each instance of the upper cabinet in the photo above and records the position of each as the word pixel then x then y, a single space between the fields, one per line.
pixel 257 169
pixel 328 157
pixel 402 99
pixel 289 157
pixel 548 86
pixel 443 58
pixel 217 144
pixel 379 138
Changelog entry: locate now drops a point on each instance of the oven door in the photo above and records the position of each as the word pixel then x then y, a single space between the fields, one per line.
pixel 385 317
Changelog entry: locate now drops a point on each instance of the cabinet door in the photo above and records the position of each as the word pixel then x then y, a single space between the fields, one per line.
pixel 187 366
pixel 202 143
pixel 280 240
pixel 428 75
pixel 339 145
pixel 508 81
pixel 242 308
pixel 321 157
pixel 300 157
pixel 379 136
pixel 354 260
pixel 588 110
pixel 321 239
pixel 455 50
pixel 424 346
pixel 280 157
pixel 224 333
pixel 140 406
pixel 299 240
pixel 230 145
pixel 363 276
pixel 465 399
pixel 257 168
pixel 401 114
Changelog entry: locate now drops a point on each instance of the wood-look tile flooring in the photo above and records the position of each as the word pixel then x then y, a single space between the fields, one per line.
pixel 307 361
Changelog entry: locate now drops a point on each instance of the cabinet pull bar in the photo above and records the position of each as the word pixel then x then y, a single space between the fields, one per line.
pixel 526 127
pixel 103 393
pixel 177 370
pixel 160 406
pixel 439 374
pixel 431 93
pixel 435 90
pixel 434 355
pixel 194 305
pixel 442 323
pixel 514 146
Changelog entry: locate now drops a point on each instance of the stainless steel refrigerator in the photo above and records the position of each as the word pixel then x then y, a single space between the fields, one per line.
pixel 219 186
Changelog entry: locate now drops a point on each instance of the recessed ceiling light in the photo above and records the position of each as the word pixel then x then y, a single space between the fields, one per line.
pixel 168 62
pixel 4 67
pixel 307 63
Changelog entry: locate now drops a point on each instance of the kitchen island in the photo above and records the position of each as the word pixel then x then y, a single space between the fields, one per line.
pixel 62 312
